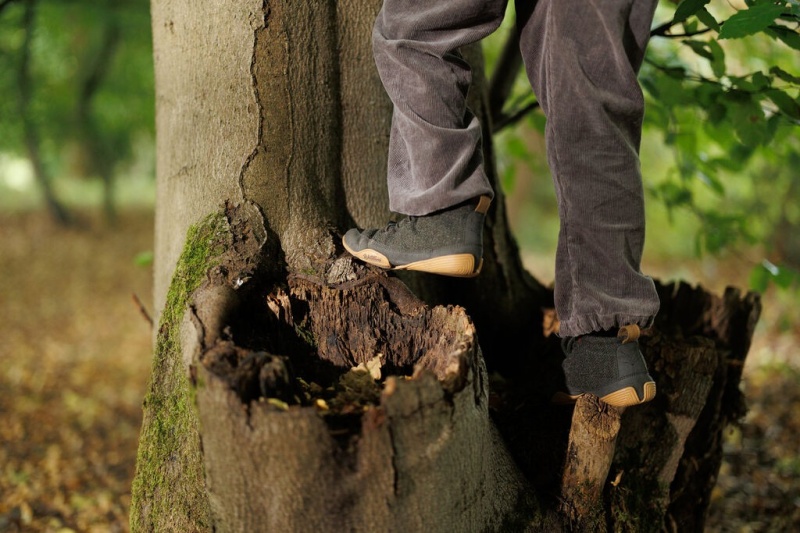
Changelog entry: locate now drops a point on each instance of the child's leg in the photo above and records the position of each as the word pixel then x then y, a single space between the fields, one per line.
pixel 435 157
pixel 582 57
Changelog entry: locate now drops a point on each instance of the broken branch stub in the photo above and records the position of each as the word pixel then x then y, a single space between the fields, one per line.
pixel 592 438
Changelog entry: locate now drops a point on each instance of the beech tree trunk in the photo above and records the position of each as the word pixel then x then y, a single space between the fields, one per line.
pixel 295 389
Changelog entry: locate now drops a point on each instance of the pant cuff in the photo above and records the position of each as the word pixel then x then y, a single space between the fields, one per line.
pixel 582 325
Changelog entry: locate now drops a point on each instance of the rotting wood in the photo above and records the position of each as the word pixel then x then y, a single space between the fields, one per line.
pixel 380 467
pixel 669 450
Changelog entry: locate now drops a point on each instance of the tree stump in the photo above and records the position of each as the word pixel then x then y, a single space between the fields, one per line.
pixel 372 413
pixel 339 401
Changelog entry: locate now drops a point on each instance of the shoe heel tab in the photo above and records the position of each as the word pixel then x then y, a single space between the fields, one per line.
pixel 483 205
pixel 629 333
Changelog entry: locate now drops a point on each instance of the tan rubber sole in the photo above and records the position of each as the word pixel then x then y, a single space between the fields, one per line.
pixel 621 398
pixel 456 265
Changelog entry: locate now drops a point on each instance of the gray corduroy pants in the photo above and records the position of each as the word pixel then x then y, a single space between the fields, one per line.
pixel 582 59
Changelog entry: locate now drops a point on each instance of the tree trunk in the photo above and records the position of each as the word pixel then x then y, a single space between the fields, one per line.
pixel 296 389
pixel 93 140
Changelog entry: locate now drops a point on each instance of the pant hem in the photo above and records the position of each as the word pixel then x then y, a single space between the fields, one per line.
pixel 588 324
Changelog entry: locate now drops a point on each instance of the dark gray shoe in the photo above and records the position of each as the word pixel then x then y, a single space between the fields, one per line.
pixel 613 369
pixel 448 242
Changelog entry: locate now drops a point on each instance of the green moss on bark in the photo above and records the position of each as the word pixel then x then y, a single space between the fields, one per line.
pixel 168 492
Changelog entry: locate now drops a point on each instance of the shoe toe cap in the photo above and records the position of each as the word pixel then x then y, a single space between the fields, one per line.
pixel 355 239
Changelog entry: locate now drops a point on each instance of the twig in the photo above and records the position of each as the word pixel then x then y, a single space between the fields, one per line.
pixel 142 309
pixel 687 34
pixel 512 118
pixel 505 73
pixel 663 31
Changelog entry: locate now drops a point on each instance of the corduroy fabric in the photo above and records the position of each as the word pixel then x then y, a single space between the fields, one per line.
pixel 582 59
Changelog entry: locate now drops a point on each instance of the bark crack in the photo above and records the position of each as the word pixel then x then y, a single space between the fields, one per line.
pixel 291 115
pixel 257 33
pixel 395 470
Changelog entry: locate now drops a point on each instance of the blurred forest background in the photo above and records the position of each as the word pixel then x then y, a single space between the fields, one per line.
pixel 721 166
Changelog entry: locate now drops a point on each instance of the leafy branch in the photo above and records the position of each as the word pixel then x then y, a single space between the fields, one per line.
pixel 761 16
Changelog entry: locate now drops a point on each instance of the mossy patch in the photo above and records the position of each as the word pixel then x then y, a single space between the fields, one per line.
pixel 168 492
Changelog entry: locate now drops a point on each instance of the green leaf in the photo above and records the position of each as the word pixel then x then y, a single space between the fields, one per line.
pixel 786 278
pixel 706 173
pixel 785 76
pixel 789 37
pixel 708 97
pixel 760 81
pixel 673 194
pixel 143 259
pixel 759 278
pixel 686 141
pixel 743 84
pixel 700 48
pixel 538 121
pixel 717 58
pixel 747 118
pixel 752 20
pixel 687 8
pixel 786 104
pixel 517 149
pixel 708 19
pixel 678 73
pixel 509 178
pixel 690 26
pixel 720 230
pixel 673 91
pixel 687 169
pixel 782 276
pixel 716 113
pixel 650 85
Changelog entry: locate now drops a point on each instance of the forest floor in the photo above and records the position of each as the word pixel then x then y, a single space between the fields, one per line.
pixel 75 359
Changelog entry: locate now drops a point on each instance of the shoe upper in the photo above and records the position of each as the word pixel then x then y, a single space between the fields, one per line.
pixel 456 230
pixel 599 365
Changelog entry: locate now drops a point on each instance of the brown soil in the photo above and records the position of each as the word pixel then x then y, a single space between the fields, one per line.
pixel 75 355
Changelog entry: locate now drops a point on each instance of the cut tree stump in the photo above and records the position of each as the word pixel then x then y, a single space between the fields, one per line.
pixel 339 401
pixel 420 455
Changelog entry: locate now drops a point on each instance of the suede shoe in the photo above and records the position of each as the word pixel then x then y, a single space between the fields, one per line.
pixel 447 242
pixel 611 368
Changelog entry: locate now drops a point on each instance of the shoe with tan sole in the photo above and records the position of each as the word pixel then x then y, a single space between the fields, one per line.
pixel 611 368
pixel 448 242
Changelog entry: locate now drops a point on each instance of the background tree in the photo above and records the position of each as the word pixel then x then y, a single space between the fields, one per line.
pixel 78 77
